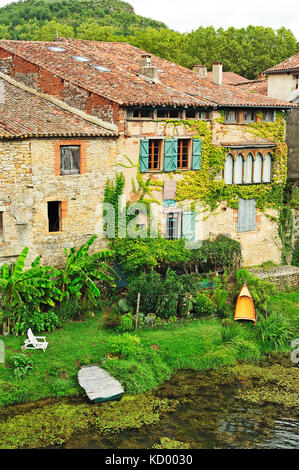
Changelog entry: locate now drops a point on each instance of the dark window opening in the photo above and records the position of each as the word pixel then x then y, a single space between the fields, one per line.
pixel 249 116
pixel 183 153
pixel 54 216
pixel 172 225
pixel 168 114
pixel 230 116
pixel 191 114
pixel 1 226
pixel 174 113
pixel 162 113
pixel 154 154
pixel 141 113
pixel 69 159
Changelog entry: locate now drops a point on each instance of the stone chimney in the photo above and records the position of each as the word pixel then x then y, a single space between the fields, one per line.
pixel 148 70
pixel 200 70
pixel 217 73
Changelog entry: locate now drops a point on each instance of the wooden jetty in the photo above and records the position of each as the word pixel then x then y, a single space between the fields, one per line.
pixel 99 385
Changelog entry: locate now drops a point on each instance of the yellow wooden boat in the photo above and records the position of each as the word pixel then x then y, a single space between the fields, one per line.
pixel 245 306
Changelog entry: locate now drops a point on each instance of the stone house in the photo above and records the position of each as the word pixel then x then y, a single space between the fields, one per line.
pixel 54 163
pixel 147 111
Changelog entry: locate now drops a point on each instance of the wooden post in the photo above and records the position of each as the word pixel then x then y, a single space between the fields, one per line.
pixel 137 310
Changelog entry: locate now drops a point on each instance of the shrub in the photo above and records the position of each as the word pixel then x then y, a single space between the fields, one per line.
pixel 275 330
pixel 260 290
pixel 22 365
pixel 123 345
pixel 67 310
pixel 112 319
pixel 295 260
pixel 202 305
pixel 123 306
pixel 31 317
pixel 126 323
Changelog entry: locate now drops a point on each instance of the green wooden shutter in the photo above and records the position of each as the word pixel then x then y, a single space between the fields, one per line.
pixel 247 215
pixel 144 149
pixel 170 154
pixel 188 226
pixel 196 160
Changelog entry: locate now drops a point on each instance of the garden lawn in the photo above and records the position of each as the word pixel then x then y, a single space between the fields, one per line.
pixel 198 344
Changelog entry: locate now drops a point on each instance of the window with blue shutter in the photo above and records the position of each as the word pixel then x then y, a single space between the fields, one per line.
pixel 172 225
pixel 188 226
pixel 196 160
pixel 144 151
pixel 170 154
pixel 247 215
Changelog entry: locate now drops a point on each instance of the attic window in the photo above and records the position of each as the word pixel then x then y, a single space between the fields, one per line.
pixel 140 113
pixel 56 49
pixel 80 58
pixel 168 114
pixel 100 68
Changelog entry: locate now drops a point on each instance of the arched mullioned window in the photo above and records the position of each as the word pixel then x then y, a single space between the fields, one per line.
pixel 267 168
pixel 238 169
pixel 228 169
pixel 248 168
pixel 258 166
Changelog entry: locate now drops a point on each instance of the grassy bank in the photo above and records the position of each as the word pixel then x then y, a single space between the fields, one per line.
pixel 196 345
pixel 200 344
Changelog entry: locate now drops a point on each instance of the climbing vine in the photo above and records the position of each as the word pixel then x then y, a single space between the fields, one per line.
pixel 202 185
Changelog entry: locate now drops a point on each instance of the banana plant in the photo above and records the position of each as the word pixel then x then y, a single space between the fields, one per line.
pixel 83 270
pixel 18 287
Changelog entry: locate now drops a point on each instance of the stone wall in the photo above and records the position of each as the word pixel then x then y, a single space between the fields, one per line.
pixel 30 179
pixel 283 277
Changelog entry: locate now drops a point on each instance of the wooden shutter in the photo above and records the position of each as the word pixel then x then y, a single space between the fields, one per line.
pixel 248 169
pixel 247 215
pixel 228 169
pixel 188 226
pixel 196 160
pixel 238 169
pixel 267 168
pixel 257 175
pixel 144 149
pixel 170 154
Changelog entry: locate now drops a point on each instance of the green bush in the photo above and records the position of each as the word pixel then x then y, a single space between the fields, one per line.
pixel 67 310
pixel 157 253
pixel 112 319
pixel 126 323
pixel 295 260
pixel 260 290
pixel 124 345
pixel 22 365
pixel 30 316
pixel 202 305
pixel 275 330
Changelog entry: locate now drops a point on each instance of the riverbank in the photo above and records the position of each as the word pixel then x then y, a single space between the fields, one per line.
pixel 241 406
pixel 197 345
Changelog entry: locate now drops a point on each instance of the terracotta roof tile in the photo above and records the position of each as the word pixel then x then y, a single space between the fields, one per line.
pixel 230 78
pixel 255 86
pixel 23 114
pixel 290 65
pixel 178 86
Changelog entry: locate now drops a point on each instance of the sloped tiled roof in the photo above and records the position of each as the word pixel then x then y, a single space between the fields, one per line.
pixel 178 86
pixel 255 86
pixel 289 65
pixel 24 114
pixel 230 78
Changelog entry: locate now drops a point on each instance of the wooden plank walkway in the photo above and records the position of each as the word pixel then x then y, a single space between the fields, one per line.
pixel 98 384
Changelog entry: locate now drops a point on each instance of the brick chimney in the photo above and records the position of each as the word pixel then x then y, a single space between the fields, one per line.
pixel 200 70
pixel 148 70
pixel 217 73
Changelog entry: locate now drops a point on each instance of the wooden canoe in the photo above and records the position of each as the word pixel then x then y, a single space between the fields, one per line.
pixel 245 306
pixel 99 385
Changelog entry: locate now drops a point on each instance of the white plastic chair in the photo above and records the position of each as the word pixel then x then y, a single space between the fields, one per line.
pixel 33 343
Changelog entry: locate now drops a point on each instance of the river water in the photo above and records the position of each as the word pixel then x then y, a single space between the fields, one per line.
pixel 209 416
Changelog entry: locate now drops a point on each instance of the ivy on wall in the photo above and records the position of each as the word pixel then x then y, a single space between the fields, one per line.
pixel 200 185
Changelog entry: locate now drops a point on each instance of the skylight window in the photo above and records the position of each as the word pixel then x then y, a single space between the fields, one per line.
pixel 56 49
pixel 80 58
pixel 100 68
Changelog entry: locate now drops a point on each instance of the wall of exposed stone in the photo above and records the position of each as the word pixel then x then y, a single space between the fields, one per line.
pixel 29 179
pixel 283 277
